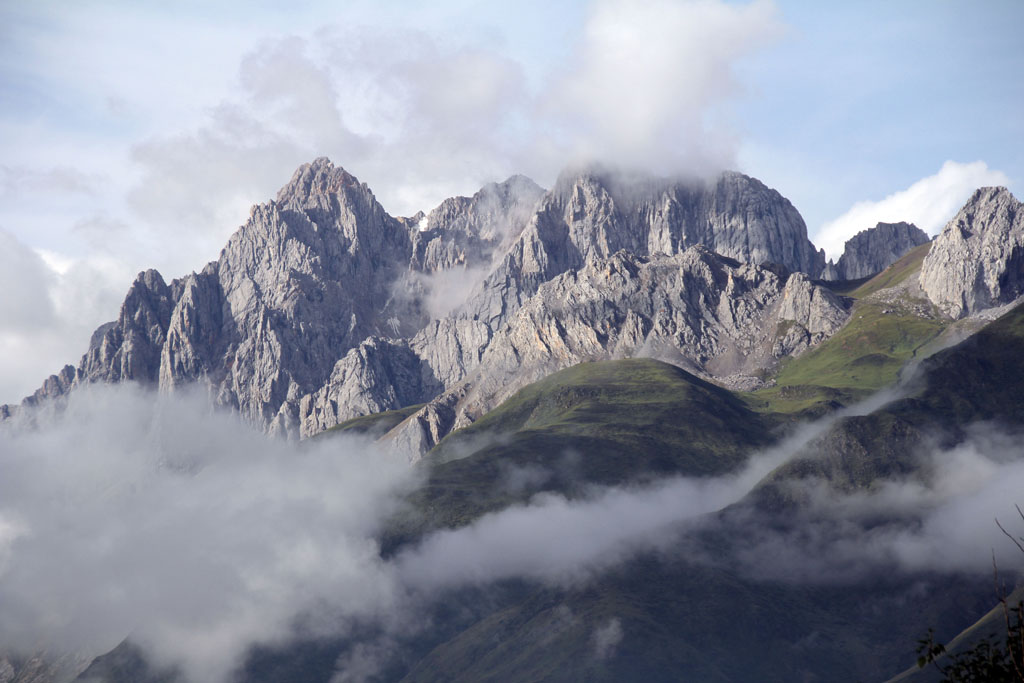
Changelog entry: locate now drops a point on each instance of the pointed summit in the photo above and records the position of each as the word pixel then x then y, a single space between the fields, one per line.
pixel 326 193
pixel 978 260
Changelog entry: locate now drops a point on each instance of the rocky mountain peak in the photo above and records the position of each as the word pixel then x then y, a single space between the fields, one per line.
pixel 977 261
pixel 491 214
pixel 875 249
pixel 315 179
pixel 328 195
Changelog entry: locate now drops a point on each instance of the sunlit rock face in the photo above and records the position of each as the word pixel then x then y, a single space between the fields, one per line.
pixel 978 260
pixel 593 214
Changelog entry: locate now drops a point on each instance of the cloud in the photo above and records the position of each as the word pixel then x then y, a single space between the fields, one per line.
pixel 153 516
pixel 16 180
pixel 50 306
pixel 248 537
pixel 25 280
pixel 929 204
pixel 607 638
pixel 420 119
pixel 417 122
pixel 648 80
pixel 941 519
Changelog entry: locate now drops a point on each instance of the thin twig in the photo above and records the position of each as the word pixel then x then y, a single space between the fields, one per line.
pixel 1010 536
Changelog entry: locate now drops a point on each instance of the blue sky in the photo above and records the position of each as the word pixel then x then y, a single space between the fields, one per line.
pixel 137 135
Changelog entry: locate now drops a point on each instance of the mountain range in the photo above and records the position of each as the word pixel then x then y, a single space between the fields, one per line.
pixel 323 307
pixel 656 329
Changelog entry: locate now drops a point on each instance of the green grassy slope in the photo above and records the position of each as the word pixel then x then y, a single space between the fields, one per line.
pixel 865 355
pixel 977 380
pixel 639 408
pixel 907 265
pixel 602 423
pixel 375 424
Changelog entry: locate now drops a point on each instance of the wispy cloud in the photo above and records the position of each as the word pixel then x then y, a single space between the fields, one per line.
pixel 939 519
pixel 50 306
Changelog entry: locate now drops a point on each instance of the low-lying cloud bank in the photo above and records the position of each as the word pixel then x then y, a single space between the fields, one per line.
pixel 942 519
pixel 154 517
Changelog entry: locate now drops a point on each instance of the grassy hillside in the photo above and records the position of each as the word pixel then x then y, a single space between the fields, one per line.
pixel 600 423
pixel 976 380
pixel 674 620
pixel 865 355
pixel 641 409
pixel 375 424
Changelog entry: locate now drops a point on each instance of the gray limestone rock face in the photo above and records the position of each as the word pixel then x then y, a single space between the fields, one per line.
pixel 872 251
pixel 377 375
pixel 696 309
pixel 977 261
pixel 387 374
pixel 303 281
pixel 465 231
pixel 54 386
pixel 748 221
pixel 807 315
pixel 591 215
pixel 453 249
pixel 129 349
pixel 194 348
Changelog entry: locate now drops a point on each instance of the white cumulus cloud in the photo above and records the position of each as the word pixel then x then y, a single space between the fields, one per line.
pixel 648 77
pixel 929 204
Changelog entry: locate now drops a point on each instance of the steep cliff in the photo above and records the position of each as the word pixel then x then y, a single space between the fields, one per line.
pixel 978 260
pixel 872 251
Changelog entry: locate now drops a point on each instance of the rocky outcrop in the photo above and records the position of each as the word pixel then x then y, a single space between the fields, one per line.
pixel 195 344
pixel 978 260
pixel 593 214
pixel 422 430
pixel 377 375
pixel 388 374
pixel 698 310
pixel 455 246
pixel 695 309
pixel 872 251
pixel 466 231
pixel 303 281
pixel 129 349
pixel 54 386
